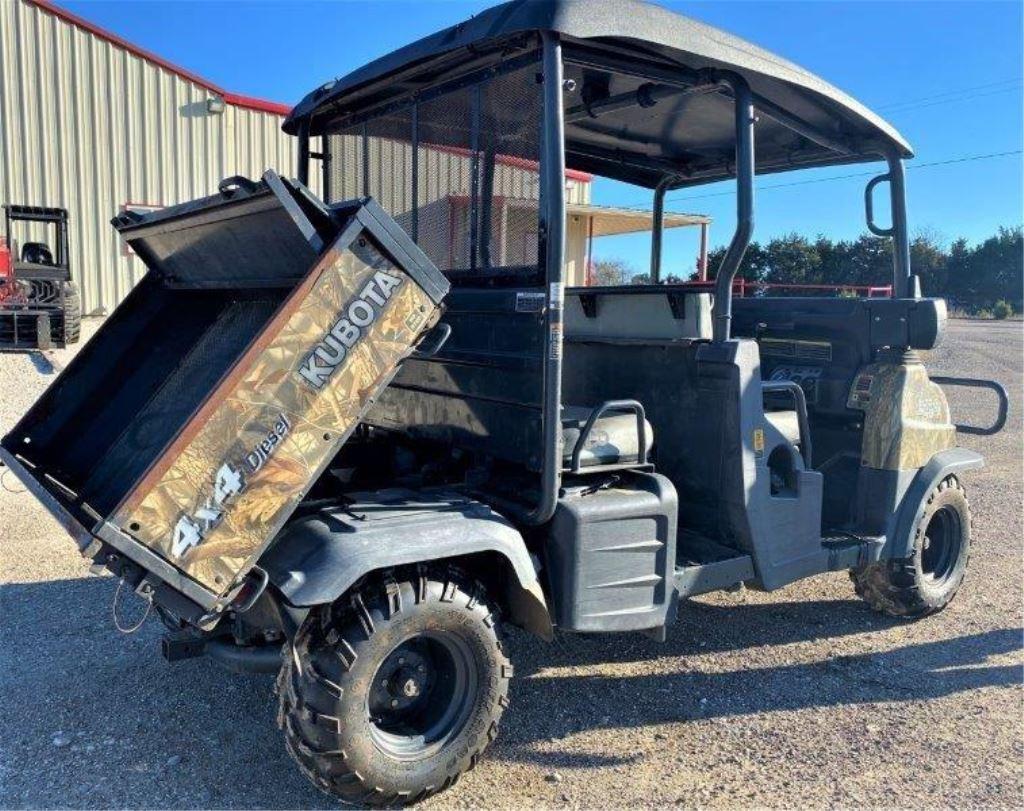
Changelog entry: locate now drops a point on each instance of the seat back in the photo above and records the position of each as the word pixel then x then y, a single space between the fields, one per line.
pixel 637 313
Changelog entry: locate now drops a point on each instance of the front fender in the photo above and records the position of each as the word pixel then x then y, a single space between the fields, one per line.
pixel 900 529
pixel 318 557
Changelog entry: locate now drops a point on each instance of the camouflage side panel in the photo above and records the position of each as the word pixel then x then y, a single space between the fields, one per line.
pixel 906 417
pixel 239 468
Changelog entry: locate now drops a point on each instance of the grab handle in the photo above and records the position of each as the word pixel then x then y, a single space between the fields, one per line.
pixel 869 192
pixel 596 414
pixel 1004 402
pixel 794 389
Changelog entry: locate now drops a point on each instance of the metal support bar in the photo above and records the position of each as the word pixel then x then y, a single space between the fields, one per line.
pixel 415 234
pixel 658 225
pixel 647 95
pixel 702 259
pixel 800 127
pixel 303 156
pixel 474 179
pixel 552 230
pixel 365 140
pixel 901 282
pixel 745 121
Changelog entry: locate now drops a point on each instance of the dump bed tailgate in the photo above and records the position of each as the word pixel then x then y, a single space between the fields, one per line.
pixel 186 432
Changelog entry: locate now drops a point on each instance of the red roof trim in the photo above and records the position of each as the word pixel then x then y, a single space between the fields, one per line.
pixel 237 100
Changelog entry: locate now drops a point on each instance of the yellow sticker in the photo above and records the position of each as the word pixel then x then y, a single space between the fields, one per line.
pixel 759 441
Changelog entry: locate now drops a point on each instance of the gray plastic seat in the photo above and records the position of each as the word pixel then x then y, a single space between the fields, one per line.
pixel 613 440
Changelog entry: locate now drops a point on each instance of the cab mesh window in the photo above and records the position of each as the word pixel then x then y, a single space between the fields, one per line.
pixel 458 170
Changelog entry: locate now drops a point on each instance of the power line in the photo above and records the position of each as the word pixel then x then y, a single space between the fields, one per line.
pixel 1001 86
pixel 949 161
pixel 939 102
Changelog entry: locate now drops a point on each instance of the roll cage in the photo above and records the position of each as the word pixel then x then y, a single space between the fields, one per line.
pixel 675 69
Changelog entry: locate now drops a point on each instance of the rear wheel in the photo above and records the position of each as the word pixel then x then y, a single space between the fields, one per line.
pixel 927 581
pixel 391 698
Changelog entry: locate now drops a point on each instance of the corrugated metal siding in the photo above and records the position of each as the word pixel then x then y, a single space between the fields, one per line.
pixel 89 126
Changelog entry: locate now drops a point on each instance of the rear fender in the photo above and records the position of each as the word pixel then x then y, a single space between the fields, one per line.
pixel 900 530
pixel 319 557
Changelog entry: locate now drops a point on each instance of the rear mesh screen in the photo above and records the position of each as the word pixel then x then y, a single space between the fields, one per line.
pixel 458 170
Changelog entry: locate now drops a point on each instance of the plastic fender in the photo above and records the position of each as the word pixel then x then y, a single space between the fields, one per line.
pixel 318 558
pixel 900 530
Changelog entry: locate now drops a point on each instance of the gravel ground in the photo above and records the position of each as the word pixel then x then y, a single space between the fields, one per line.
pixel 802 697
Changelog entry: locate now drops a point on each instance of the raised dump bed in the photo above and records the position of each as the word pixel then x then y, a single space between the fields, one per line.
pixel 186 432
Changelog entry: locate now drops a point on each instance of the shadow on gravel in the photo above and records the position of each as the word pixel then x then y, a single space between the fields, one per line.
pixel 704 628
pixel 573 703
pixel 96 719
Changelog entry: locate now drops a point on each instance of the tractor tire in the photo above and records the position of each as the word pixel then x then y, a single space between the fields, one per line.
pixel 391 694
pixel 72 314
pixel 927 581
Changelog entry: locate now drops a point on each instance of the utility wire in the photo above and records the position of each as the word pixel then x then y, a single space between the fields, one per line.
pixel 939 102
pixel 955 95
pixel 965 159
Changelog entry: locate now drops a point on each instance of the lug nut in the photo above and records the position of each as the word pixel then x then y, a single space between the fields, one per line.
pixel 394 702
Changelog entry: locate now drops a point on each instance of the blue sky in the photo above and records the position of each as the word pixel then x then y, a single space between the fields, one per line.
pixel 946 74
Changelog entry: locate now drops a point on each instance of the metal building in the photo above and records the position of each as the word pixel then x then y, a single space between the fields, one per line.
pixel 94 124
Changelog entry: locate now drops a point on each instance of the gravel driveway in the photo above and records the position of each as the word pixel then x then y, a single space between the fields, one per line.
pixel 802 697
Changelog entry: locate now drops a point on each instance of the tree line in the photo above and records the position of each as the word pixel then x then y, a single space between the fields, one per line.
pixel 971 277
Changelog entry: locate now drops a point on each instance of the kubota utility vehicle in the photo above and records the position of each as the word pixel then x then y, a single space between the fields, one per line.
pixel 350 440
pixel 39 303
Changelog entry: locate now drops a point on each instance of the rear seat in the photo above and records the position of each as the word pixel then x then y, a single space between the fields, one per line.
pixel 638 313
pixel 631 315
pixel 612 441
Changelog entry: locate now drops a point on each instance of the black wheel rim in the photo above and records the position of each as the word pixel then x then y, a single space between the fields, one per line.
pixel 422 695
pixel 941 548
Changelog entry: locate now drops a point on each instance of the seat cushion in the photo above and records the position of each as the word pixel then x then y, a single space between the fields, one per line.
pixel 612 441
pixel 786 423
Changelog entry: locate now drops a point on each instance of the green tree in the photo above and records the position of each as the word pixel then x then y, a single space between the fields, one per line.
pixel 930 263
pixel 969 276
pixel 791 259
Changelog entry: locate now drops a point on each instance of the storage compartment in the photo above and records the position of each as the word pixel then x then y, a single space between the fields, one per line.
pixel 610 554
pixel 188 429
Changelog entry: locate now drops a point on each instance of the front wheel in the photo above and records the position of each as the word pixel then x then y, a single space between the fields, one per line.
pixel 927 581
pixel 390 698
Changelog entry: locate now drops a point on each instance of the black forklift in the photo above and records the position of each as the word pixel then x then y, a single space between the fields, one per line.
pixel 359 497
pixel 40 307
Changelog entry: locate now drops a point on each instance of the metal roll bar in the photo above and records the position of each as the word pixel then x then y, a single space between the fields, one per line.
pixel 900 235
pixel 745 121
pixel 552 230
pixel 901 273
pixel 658 224
pixel 302 160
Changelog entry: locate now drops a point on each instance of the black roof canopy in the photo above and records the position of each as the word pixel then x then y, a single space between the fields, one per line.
pixel 804 121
